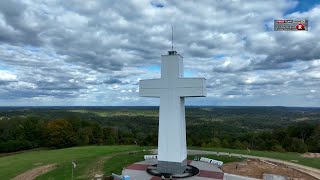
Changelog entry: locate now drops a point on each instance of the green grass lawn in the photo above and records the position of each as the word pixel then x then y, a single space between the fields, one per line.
pixel 11 166
pixel 287 156
pixel 117 163
pixel 85 157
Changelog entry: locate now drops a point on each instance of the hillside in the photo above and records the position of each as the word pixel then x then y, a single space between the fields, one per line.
pixel 262 128
pixel 107 159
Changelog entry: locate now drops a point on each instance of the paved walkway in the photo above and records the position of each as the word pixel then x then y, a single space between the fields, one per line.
pixel 137 171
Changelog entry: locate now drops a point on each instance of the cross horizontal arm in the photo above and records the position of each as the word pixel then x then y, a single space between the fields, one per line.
pixel 191 87
pixel 150 87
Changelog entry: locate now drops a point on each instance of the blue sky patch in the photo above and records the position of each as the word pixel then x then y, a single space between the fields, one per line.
pixel 6 68
pixel 32 48
pixel 219 56
pixel 266 25
pixel 153 68
pixel 157 4
pixel 304 5
pixel 187 72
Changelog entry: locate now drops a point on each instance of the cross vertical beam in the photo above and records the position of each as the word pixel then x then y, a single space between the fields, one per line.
pixel 172 87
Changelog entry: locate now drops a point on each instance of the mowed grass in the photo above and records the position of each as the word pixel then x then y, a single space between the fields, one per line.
pixel 124 112
pixel 286 156
pixel 11 166
pixel 117 163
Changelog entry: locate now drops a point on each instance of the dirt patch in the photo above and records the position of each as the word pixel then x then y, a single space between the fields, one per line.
pixel 35 172
pixel 256 168
pixel 97 167
pixel 311 155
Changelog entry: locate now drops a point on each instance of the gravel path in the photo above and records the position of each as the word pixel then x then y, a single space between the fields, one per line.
pixel 35 172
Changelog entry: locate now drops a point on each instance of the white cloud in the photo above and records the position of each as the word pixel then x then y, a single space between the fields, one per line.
pixel 95 52
pixel 7 76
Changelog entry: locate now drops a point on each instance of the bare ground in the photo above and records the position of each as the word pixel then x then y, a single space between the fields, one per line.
pixel 97 167
pixel 256 168
pixel 311 155
pixel 35 172
pixel 313 172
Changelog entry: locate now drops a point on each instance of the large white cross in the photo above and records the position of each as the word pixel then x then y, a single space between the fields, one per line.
pixel 172 88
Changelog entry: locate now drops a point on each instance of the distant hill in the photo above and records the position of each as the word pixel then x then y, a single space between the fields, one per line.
pixel 262 128
pixel 248 117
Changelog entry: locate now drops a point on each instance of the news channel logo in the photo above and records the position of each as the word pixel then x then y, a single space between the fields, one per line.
pixel 291 25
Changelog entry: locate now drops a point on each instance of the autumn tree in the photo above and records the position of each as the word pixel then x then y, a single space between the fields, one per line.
pixel 60 134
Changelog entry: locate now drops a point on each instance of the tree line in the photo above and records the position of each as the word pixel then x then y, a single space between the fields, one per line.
pixel 299 137
pixel 33 132
pixel 22 133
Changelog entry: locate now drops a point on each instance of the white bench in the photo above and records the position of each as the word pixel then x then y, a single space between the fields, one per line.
pixel 211 161
pixel 150 157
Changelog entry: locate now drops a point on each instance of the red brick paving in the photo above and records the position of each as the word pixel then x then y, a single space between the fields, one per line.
pixel 159 178
pixel 155 178
pixel 211 174
pixel 141 167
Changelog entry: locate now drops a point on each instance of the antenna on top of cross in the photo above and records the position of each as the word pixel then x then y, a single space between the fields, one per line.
pixel 172 52
pixel 171 37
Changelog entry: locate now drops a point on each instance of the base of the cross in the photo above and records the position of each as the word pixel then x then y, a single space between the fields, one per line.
pixel 172 167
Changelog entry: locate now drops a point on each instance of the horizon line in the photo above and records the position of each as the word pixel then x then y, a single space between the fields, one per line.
pixel 158 106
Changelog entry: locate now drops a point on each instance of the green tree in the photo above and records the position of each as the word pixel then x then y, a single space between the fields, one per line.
pixel 97 133
pixel 85 136
pixel 301 130
pixel 215 142
pixel 109 135
pixel 33 130
pixel 60 134
pixel 75 121
pixel 225 143
pixel 298 145
pixel 277 148
pixel 238 145
pixel 314 141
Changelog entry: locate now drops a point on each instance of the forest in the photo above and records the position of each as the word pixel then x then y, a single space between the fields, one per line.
pixel 279 129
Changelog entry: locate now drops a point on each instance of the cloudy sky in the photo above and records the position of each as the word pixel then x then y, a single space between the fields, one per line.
pixel 79 52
